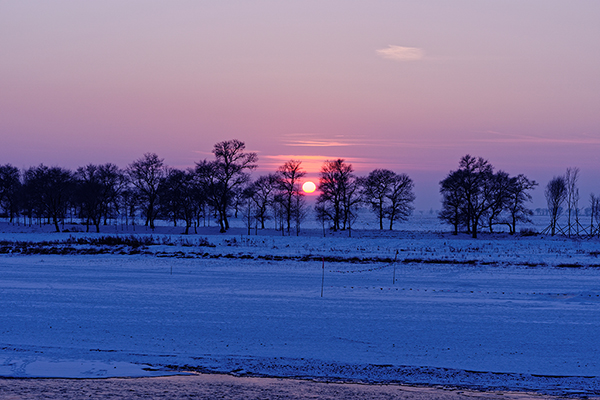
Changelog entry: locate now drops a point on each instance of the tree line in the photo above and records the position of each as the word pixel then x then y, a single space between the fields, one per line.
pixel 218 188
pixel 475 197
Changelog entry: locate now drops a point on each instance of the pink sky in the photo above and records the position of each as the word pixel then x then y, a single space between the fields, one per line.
pixel 405 85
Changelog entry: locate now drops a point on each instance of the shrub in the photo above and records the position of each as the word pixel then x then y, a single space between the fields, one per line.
pixel 529 232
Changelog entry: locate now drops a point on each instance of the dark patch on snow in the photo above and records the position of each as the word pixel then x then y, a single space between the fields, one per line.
pixel 317 370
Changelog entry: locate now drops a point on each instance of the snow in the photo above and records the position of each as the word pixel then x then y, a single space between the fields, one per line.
pixel 500 311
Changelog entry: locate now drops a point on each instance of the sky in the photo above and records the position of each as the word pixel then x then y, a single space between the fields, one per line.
pixel 409 86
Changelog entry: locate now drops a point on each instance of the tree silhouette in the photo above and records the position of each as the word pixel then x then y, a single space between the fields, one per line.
pixel 518 196
pixel 572 198
pixel 501 184
pixel 389 194
pixel 400 198
pixel 453 205
pixel 49 190
pixel 556 193
pixel 97 189
pixel 10 188
pixel 263 194
pixel 228 173
pixel 375 189
pixel 473 186
pixel 338 187
pixel 170 195
pixel 474 193
pixel 180 197
pixel 289 175
pixel 145 174
pixel 594 213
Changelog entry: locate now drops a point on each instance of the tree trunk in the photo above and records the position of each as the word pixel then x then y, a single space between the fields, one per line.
pixel 225 220
pixel 55 220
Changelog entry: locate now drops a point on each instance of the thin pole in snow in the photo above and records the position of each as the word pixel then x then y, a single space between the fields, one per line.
pixel 323 276
pixel 394 277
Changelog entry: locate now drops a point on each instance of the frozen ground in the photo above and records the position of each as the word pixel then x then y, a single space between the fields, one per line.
pixel 497 312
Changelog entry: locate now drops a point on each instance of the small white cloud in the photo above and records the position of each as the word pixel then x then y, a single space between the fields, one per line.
pixel 401 53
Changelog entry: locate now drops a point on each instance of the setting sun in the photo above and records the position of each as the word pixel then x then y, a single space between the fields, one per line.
pixel 309 187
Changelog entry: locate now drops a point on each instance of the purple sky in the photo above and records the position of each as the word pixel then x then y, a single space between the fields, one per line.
pixel 406 85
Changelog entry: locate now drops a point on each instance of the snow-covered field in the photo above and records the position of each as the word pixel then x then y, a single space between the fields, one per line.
pixel 494 312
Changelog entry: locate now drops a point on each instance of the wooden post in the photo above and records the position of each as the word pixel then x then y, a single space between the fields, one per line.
pixel 394 276
pixel 323 276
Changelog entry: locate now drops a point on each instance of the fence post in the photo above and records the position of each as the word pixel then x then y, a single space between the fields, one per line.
pixel 323 276
pixel 394 277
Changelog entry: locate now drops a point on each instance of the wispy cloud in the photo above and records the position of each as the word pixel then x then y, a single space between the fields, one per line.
pixel 287 157
pixel 401 53
pixel 311 140
pixel 316 143
pixel 316 140
pixel 501 137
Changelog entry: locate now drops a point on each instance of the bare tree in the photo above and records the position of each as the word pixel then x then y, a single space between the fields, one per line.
pixel 390 195
pixel 98 187
pixel 300 212
pixel 556 193
pixel 206 173
pixel 263 193
pixel 50 190
pixel 171 199
pixel 113 182
pixel 10 186
pixel 88 196
pixel 278 212
pixel 228 173
pixel 181 197
pixel 195 208
pixel 474 191
pixel 145 174
pixel 518 196
pixel 128 204
pixel 453 206
pixel 289 175
pixel 337 185
pixel 375 189
pixel 594 213
pixel 352 203
pixel 400 198
pixel 572 198
pixel 233 165
pixel 248 207
pixel 479 189
pixel 473 186
pixel 499 198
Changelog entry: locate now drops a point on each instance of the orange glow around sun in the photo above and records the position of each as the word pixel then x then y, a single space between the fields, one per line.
pixel 309 187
